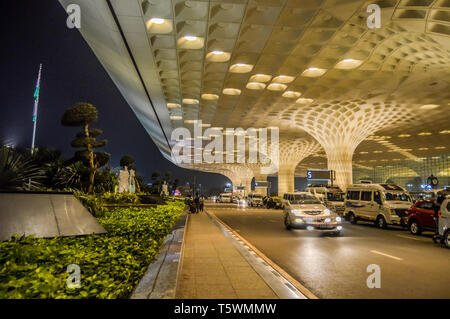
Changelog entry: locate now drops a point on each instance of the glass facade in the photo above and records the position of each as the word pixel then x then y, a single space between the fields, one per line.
pixel 410 174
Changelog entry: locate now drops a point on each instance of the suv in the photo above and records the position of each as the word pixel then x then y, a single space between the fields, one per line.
pixel 255 199
pixel 421 217
pixel 304 211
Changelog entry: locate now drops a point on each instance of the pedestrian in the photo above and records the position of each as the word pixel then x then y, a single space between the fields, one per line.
pixel 202 203
pixel 197 203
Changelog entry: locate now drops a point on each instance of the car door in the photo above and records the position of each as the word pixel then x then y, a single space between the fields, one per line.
pixel 425 215
pixel 369 209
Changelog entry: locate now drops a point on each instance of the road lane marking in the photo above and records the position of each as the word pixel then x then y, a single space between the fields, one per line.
pixel 386 255
pixel 413 238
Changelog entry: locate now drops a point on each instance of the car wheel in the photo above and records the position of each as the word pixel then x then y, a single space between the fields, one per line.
pixel 447 239
pixel 414 228
pixel 352 218
pixel 287 222
pixel 381 222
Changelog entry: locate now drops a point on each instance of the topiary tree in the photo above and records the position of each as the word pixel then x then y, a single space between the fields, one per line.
pixel 83 114
pixel 127 160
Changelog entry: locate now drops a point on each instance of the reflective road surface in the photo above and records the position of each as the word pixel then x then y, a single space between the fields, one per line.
pixel 336 267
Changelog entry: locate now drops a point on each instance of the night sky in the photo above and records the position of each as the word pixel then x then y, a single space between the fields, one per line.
pixel 35 32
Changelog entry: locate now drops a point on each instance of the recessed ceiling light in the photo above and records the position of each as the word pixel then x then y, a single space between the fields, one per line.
pixel 363 152
pixel 440 148
pixel 190 101
pixel 348 64
pixel 218 56
pixel 423 149
pixel 191 42
pixel 291 94
pixel 206 125
pixel 210 97
pixel 429 106
pixel 159 26
pixel 277 87
pixel 176 117
pixel 255 86
pixel 190 121
pixel 404 135
pixel 424 134
pixel 230 91
pixel 260 78
pixel 157 21
pixel 304 101
pixel 445 132
pixel 173 105
pixel 378 152
pixel 241 68
pixel 283 79
pixel 314 72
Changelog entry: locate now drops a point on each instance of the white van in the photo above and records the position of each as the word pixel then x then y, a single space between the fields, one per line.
pixel 384 204
pixel 255 199
pixel 332 197
pixel 226 198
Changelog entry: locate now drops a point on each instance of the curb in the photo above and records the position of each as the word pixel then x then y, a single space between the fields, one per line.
pixel 161 278
pixel 290 282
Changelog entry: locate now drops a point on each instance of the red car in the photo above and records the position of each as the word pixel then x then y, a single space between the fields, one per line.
pixel 421 217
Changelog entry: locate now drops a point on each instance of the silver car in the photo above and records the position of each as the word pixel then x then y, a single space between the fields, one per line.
pixel 304 211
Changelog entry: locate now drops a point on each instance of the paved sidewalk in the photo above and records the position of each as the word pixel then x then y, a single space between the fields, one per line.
pixel 212 268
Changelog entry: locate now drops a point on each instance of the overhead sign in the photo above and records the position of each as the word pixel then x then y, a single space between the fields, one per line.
pixel 240 188
pixel 228 190
pixel 319 175
pixel 261 184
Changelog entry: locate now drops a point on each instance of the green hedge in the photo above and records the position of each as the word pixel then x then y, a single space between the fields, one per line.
pixel 111 264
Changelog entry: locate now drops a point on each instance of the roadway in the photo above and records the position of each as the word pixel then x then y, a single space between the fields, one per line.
pixel 336 267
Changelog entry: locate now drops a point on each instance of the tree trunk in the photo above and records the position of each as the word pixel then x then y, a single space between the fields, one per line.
pixel 91 161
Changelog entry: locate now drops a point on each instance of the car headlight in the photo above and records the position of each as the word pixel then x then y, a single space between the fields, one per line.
pixel 328 220
pixel 327 211
pixel 296 212
pixel 338 219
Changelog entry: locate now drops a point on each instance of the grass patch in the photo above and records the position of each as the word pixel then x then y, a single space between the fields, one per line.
pixel 111 264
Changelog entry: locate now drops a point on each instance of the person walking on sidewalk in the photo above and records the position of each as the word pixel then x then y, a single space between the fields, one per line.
pixel 197 203
pixel 202 202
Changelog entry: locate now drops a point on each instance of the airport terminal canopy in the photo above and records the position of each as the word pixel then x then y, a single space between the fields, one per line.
pixel 331 72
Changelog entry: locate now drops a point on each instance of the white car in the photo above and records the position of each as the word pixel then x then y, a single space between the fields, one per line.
pixel 304 211
pixel 444 222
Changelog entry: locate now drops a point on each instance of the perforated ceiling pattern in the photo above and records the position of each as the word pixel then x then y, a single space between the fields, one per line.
pixel 309 65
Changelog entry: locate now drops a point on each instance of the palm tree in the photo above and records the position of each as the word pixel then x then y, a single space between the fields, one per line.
pixel 18 172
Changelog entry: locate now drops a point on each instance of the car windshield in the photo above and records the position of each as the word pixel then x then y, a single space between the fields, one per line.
pixel 303 199
pixel 335 197
pixel 397 197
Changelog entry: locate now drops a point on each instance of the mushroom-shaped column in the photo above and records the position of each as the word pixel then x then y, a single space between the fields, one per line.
pixel 292 152
pixel 340 126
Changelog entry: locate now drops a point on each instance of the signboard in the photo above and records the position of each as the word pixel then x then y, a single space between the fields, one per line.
pixel 228 190
pixel 261 184
pixel 240 188
pixel 319 174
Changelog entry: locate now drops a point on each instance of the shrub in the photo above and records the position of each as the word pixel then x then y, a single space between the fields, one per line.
pixel 120 198
pixel 111 264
